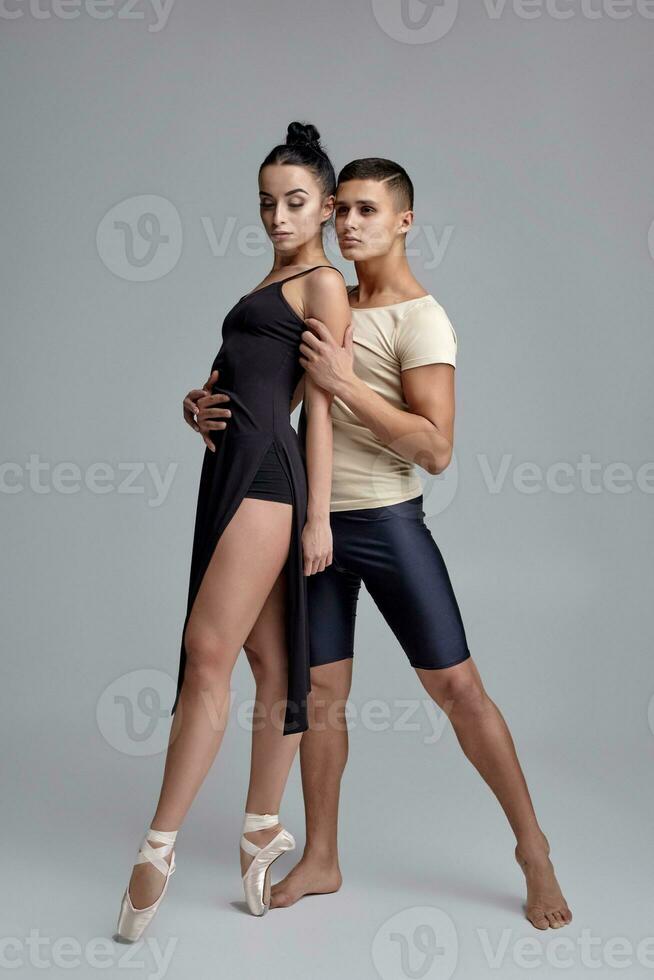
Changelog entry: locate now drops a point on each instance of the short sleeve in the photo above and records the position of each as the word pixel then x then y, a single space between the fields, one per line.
pixel 424 335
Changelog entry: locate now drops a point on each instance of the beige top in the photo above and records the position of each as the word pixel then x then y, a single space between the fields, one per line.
pixel 387 340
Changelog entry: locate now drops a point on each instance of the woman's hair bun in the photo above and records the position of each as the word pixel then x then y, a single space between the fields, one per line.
pixel 302 134
pixel 303 149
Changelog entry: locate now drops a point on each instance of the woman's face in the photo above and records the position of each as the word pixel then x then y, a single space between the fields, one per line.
pixel 292 206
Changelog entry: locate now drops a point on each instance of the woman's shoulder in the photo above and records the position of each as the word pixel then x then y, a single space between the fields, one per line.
pixel 324 272
pixel 324 280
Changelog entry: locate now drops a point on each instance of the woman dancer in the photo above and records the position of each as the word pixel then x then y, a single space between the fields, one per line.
pixel 262 525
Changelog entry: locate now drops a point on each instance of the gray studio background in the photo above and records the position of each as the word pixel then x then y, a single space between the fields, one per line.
pixel 528 134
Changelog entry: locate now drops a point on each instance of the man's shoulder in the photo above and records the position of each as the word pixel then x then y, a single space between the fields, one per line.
pixel 421 306
pixel 423 329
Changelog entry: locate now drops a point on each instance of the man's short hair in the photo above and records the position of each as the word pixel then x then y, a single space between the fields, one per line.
pixel 377 168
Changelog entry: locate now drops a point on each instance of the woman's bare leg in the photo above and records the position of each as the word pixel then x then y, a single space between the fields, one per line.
pixel 486 741
pixel 230 598
pixel 272 751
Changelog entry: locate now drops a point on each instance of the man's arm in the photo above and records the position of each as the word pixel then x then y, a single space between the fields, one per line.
pixel 425 433
pixel 201 411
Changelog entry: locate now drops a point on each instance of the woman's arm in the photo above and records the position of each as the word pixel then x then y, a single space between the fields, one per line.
pixel 325 291
pixel 298 395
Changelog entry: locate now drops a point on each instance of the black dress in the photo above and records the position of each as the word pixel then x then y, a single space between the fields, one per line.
pixel 259 369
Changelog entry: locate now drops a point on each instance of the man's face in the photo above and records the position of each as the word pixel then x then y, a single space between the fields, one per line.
pixel 367 221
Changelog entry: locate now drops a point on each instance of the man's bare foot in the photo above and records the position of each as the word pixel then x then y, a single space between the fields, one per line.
pixel 546 907
pixel 310 876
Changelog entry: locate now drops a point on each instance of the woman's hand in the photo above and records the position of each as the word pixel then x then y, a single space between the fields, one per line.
pixel 202 418
pixel 317 545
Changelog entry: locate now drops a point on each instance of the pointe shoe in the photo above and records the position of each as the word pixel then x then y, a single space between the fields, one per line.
pixel 132 922
pixel 256 880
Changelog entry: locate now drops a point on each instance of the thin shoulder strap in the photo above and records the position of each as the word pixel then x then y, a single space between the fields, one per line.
pixel 306 271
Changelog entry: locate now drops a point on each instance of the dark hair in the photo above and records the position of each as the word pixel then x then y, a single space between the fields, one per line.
pixel 303 149
pixel 377 168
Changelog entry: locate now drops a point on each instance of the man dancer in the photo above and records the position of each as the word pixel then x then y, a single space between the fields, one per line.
pixel 392 384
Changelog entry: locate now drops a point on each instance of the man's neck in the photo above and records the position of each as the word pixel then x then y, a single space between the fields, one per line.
pixel 385 280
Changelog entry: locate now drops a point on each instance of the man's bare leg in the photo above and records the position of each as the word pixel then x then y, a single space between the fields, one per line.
pixel 486 741
pixel 323 754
